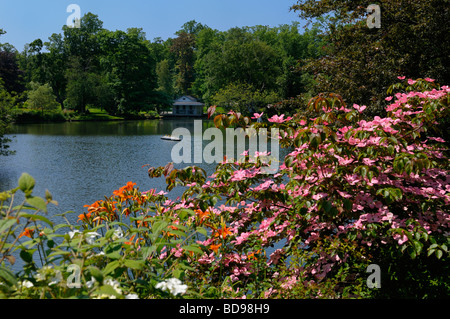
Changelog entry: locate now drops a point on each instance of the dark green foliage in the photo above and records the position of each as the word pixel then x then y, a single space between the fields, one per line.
pixel 360 62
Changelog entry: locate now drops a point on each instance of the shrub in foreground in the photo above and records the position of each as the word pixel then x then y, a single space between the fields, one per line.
pixel 350 193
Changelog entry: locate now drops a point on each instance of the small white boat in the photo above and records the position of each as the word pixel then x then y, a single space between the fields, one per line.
pixel 170 138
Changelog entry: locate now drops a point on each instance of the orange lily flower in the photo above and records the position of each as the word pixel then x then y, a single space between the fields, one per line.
pixel 252 255
pixel 27 233
pixel 129 186
pixel 141 223
pixel 119 193
pixel 126 212
pixel 202 215
pixel 96 207
pixel 215 248
pixel 84 217
pixel 131 240
pixel 223 232
pixel 173 228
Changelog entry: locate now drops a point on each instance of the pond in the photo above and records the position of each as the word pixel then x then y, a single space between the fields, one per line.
pixel 81 162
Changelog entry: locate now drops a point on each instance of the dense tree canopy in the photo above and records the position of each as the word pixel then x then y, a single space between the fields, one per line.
pixel 124 72
pixel 361 62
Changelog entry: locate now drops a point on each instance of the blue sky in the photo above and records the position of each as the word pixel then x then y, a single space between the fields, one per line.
pixel 27 20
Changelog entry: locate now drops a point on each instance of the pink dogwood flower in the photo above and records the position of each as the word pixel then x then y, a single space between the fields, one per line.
pixel 279 119
pixel 257 116
pixel 360 109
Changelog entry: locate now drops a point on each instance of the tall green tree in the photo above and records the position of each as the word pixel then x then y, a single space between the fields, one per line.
pixel 240 58
pixel 10 85
pixel 10 72
pixel 83 42
pixel 165 78
pixel 32 61
pixel 130 68
pixel 81 84
pixel 243 98
pixel 41 97
pixel 183 48
pixel 361 62
pixel 55 66
pixel 7 103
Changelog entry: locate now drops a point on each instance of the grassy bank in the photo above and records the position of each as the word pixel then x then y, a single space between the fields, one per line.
pixel 93 114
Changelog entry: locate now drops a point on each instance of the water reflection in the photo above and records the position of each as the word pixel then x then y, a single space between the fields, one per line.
pixel 81 162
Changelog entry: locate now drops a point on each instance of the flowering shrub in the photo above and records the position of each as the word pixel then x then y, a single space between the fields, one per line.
pixel 350 193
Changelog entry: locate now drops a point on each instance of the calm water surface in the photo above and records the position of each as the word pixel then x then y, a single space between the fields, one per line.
pixel 81 162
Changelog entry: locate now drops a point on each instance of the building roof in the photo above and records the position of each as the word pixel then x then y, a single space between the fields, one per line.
pixel 187 100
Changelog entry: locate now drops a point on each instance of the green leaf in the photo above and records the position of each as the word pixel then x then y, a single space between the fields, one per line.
pixel 363 171
pixel 59 252
pixel 134 264
pixel 113 251
pixel 315 141
pixel 193 249
pixel 183 214
pixel 327 206
pixel 439 253
pixel 8 276
pixel 111 267
pixel 26 183
pixel 37 202
pixel 348 205
pixel 157 227
pixel 178 233
pixel 109 233
pixel 36 217
pixel 202 231
pixel 412 253
pixel 26 256
pixel 6 224
pixel 147 251
pixel 417 246
pixel 108 290
pixel 96 273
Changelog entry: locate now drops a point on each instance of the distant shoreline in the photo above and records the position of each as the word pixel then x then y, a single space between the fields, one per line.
pixel 48 120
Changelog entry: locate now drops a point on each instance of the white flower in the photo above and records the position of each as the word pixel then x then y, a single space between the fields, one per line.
pixel 118 233
pixel 42 273
pixel 90 237
pixel 174 286
pixel 115 284
pixel 90 283
pixel 56 279
pixel 132 296
pixel 72 233
pixel 26 284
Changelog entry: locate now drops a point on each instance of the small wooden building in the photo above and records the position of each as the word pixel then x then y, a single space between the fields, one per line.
pixel 187 106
